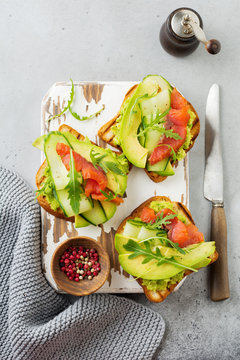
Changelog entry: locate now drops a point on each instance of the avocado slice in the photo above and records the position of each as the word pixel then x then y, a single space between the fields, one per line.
pixel 151 271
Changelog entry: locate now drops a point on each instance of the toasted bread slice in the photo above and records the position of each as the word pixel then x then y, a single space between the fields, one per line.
pixel 159 296
pixel 40 178
pixel 106 134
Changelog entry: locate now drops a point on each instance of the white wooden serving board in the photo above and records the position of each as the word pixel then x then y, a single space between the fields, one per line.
pixel 90 97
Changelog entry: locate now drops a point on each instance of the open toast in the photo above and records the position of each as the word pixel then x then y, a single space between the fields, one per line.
pixel 95 207
pixel 159 296
pixel 40 179
pixel 107 134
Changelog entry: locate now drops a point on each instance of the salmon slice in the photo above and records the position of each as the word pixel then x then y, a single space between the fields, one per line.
pixel 177 100
pixel 82 165
pixel 178 232
pixel 117 200
pixel 184 234
pixel 177 120
pixel 92 187
pixel 179 117
pixel 162 152
pixel 148 215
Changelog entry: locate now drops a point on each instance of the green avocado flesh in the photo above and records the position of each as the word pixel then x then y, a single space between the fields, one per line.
pixel 152 96
pixel 151 271
pixel 131 118
pixel 159 277
pixel 56 179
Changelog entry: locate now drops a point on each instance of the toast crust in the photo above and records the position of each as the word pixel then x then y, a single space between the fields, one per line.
pixel 106 134
pixel 159 296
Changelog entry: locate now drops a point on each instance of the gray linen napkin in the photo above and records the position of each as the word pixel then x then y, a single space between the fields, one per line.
pixel 36 322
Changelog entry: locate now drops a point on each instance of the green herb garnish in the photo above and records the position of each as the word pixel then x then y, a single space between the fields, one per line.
pixel 69 103
pixel 146 251
pixel 162 221
pixel 111 166
pixel 172 153
pixel 167 133
pixel 164 241
pixel 107 166
pixel 47 183
pixel 78 117
pixel 74 186
pixel 157 225
pixel 109 196
pixel 175 246
pixel 96 158
pixel 74 114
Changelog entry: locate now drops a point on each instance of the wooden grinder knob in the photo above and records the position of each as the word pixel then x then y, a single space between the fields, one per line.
pixel 213 46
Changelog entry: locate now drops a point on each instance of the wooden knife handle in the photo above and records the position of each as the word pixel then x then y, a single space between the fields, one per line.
pixel 219 284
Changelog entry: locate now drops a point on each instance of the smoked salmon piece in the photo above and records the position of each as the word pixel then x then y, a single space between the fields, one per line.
pixel 162 152
pixel 177 100
pixel 82 165
pixel 148 215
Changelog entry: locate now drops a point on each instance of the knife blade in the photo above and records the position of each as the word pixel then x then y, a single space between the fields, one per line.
pixel 213 191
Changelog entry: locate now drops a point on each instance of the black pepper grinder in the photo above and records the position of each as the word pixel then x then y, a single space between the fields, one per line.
pixel 182 32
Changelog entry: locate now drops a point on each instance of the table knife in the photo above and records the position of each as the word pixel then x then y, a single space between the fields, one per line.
pixel 213 191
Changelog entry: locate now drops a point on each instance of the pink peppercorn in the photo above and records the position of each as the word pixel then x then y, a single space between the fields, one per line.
pixel 70 263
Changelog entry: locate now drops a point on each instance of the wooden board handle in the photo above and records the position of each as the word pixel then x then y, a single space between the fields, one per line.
pixel 219 284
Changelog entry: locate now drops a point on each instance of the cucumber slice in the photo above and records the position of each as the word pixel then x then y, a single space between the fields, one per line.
pixel 80 222
pixel 96 215
pixel 131 230
pixel 64 201
pixel 109 208
pixel 152 138
pixel 156 83
pixel 57 168
pixel 163 167
pixel 157 103
pixel 145 233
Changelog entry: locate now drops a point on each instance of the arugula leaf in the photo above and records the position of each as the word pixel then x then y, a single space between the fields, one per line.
pixel 41 191
pixel 173 153
pixel 111 166
pixel 136 222
pixel 74 114
pixel 167 133
pixel 146 251
pixel 96 158
pixel 78 117
pixel 157 225
pixel 175 246
pixel 109 196
pixel 166 240
pixel 162 221
pixel 154 121
pixel 74 186
pixel 69 103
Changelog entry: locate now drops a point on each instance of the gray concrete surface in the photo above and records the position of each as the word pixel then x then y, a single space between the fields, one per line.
pixel 42 42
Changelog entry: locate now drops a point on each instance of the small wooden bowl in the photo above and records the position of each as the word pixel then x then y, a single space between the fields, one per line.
pixel 85 286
